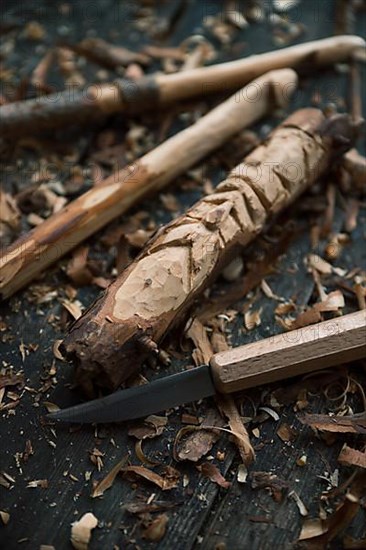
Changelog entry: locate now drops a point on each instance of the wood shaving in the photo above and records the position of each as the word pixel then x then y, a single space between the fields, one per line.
pixel 157 528
pixel 252 319
pixel 227 405
pixel 77 269
pixel 141 455
pixel 81 531
pixel 9 212
pixel 12 379
pixel 41 483
pixel 107 482
pixel 319 533
pixel 233 271
pixel 285 5
pixel 277 486
pixel 211 471
pixel 299 503
pixel 336 424
pixel 197 333
pixel 199 440
pixel 74 308
pixel 151 427
pixel 242 473
pixel 166 482
pixel 286 433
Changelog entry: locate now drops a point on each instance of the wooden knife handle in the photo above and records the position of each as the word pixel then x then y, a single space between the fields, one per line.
pixel 300 351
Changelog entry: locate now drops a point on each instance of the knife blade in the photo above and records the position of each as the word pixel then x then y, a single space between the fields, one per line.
pixel 300 351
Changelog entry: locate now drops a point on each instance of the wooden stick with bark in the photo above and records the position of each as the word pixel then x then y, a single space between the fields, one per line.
pixel 36 250
pixel 75 106
pixel 111 340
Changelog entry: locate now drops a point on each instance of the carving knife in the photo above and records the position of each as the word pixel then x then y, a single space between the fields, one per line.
pixel 297 352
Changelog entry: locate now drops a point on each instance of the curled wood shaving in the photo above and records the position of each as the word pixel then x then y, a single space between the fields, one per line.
pixel 108 480
pixel 166 482
pixel 213 473
pixel 227 406
pixel 157 529
pixel 81 531
pixel 56 350
pixel 352 457
pixel 141 455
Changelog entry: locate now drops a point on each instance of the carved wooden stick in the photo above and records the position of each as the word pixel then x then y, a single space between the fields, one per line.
pixel 30 254
pixel 75 106
pixel 110 341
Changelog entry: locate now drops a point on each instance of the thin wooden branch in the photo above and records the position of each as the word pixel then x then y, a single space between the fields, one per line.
pixel 33 252
pixel 75 106
pixel 110 341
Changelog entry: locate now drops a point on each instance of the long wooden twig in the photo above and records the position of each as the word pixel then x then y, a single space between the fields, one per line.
pixel 75 106
pixel 110 341
pixel 29 255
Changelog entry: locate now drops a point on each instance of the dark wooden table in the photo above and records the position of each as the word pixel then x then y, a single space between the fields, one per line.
pixel 204 516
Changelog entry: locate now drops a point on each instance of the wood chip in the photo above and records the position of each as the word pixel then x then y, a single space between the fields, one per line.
pixel 81 531
pixel 51 407
pixel 352 457
pixel 242 473
pixel 5 517
pixel 286 433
